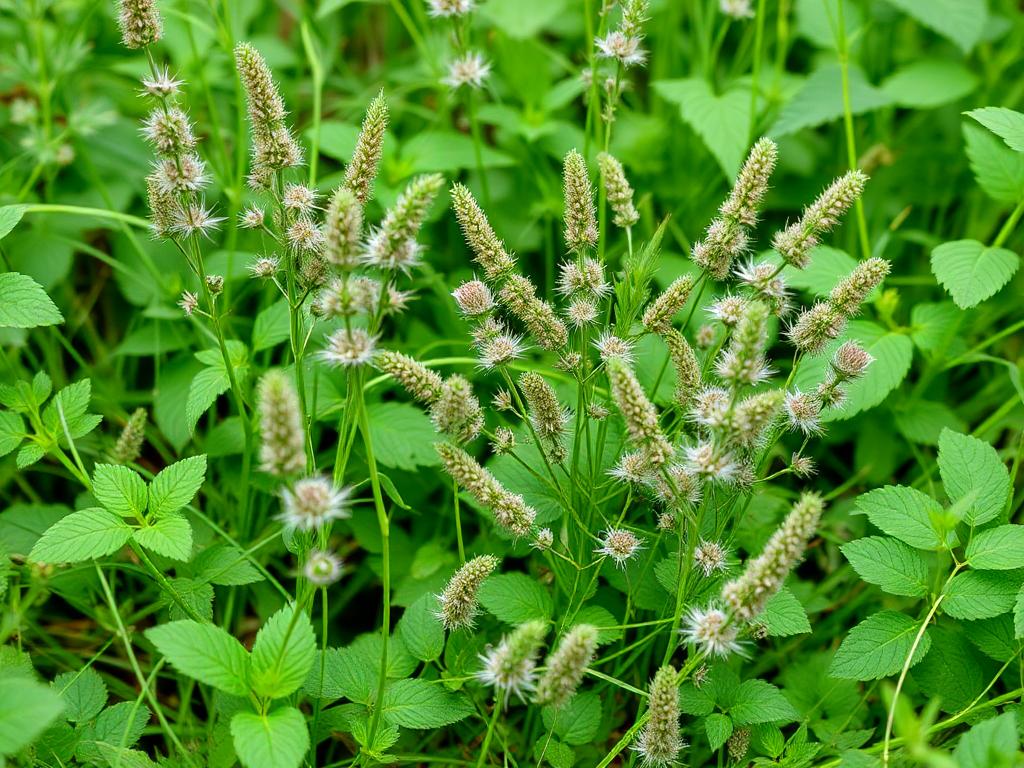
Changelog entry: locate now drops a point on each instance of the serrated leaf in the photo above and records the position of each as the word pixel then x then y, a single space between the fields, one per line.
pixel 226 566
pixel 718 728
pixel 176 485
pixel 278 739
pixel 82 535
pixel 515 598
pixel 968 465
pixel 951 671
pixel 906 513
pixel 962 21
pixel 25 303
pixel 12 432
pixel 997 549
pixel 403 437
pixel 997 168
pixel 891 564
pixel 84 694
pixel 758 701
pixel 981 594
pixel 10 215
pixel 784 616
pixel 420 629
pixel 120 490
pixel 170 536
pixel 1018 614
pixel 204 652
pixel 878 647
pixel 992 743
pixel 971 272
pixel 26 709
pixel 283 653
pixel 420 704
pixel 1007 124
pixel 576 722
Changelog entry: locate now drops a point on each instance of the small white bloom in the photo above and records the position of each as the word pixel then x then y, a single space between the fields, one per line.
pixel 189 302
pixel 322 568
pixel 471 69
pixel 251 217
pixel 705 462
pixel 348 347
pixel 195 218
pixel 620 545
pixel 625 48
pixel 299 198
pixel 737 9
pixel 610 346
pixel 312 503
pixel 448 8
pixel 804 412
pixel 711 629
pixel 710 556
pixel 500 349
pixel 728 310
pixel 161 85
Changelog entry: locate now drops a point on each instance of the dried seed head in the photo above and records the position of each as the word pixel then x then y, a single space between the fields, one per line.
pixel 305 235
pixel 658 316
pixel 313 503
pixel 393 245
pixel 265 267
pixel 711 630
pixel 471 69
pixel 140 23
pixel 764 575
pixel 710 556
pixel 632 468
pixel 322 568
pixel 751 184
pixel 547 415
pixel 544 539
pixel 711 463
pixel 620 545
pixel 456 411
pixel 686 365
pixel 804 412
pixel 502 400
pixel 458 602
pixel 474 298
pixel 851 291
pixel 299 198
pixel 567 665
pixel 639 413
pixel 739 743
pixel 362 171
pixel 418 380
pixel 251 218
pixel 580 214
pixel 488 251
pixel 510 511
pixel 519 296
pixel 129 444
pixel 282 449
pixel 349 347
pixel 618 191
pixel 189 302
pixel 659 743
pixel 186 173
pixel 582 312
pixel 796 241
pixel 510 666
pixel 802 466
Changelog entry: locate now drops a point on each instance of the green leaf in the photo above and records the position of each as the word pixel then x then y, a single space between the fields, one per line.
pixel 204 652
pixel 784 616
pixel 170 536
pixel 971 272
pixel 84 694
pixel 992 743
pixel 279 739
pixel 997 549
pixel 226 566
pixel 176 485
pixel 207 385
pixel 1018 614
pixel 720 120
pixel 83 535
pixel 1007 124
pixel 820 100
pixel 961 21
pixel 403 437
pixel 828 266
pixel 929 83
pixel 968 464
pixel 66 412
pixel 12 432
pixel 878 647
pixel 420 704
pixel 515 598
pixel 555 753
pixel 118 726
pixel 420 629
pixel 196 595
pixel 951 671
pixel 891 564
pixel 922 421
pixel 283 653
pixel 906 513
pixel 758 701
pixel 10 215
pixel 718 728
pixel 119 489
pixel 981 594
pixel 578 721
pixel 997 168
pixel 26 709
pixel 25 303
pixel 271 326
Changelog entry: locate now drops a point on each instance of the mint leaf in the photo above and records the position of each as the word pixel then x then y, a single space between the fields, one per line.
pixel 992 743
pixel 279 739
pixel 997 549
pixel 784 616
pixel 82 535
pixel 906 513
pixel 961 21
pixel 420 704
pixel 176 485
pixel 891 564
pixel 170 536
pixel 420 629
pixel 718 728
pixel 12 432
pixel 204 652
pixel 878 647
pixel 971 272
pixel 758 701
pixel 120 490
pixel 981 594
pixel 1007 124
pixel 968 464
pixel 283 653
pixel 578 721
pixel 84 694
pixel 515 598
pixel 25 303
pixel 26 709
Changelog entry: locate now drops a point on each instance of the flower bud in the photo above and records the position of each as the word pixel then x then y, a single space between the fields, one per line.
pixel 488 251
pixel 129 444
pixel 659 742
pixel 474 298
pixel 567 665
pixel 458 601
pixel 580 215
pixel 140 23
pixel 639 413
pixel 418 380
pixel 618 191
pixel 282 450
pixel 658 316
pixel 510 511
pixel 362 170
pixel 456 411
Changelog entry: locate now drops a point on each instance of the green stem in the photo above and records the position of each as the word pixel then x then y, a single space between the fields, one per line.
pixel 851 144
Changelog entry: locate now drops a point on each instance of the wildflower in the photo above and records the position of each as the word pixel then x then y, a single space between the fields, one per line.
pixel 544 539
pixel 265 266
pixel 305 235
pixel 581 312
pixel 504 441
pixel 620 545
pixel 802 466
pixel 458 601
pixel 616 45
pixel 618 191
pixel 299 198
pixel 456 411
pixel 322 568
pixel 510 666
pixel 711 463
pixel 547 415
pixel 162 84
pixel 140 23
pixel 488 251
pixel 754 414
pixel 597 411
pixel 510 511
pixel 815 327
pixel 499 349
pixel 129 444
pixel 709 556
pixel 251 218
pixel 502 400
pixel 659 743
pixel 705 336
pixel 567 665
pixel 362 170
pixel 851 360
pixel 738 744
pixel 418 380
pixel 580 215
pixel 519 296
pixel 666 521
pixel 611 347
pixel 189 302
pixel 639 413
pixel 763 576
pixel 711 407
pixel 711 630
pixel 282 449
pixel 686 365
pixel 632 468
pixel 474 298
pixel 349 347
pixel 658 316
pixel 186 173
pixel 762 279
pixel 804 412
pixel 728 310
pixel 796 241
pixel 169 131
pixel 273 146
pixel 313 503
pixel 676 486
pixel 751 183
pixel 393 245
pixel 700 676
pixel 470 69
pixel 850 292
pixel 447 8
pixel 743 362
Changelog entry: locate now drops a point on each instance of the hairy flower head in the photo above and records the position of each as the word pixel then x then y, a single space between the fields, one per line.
pixel 567 665
pixel 458 606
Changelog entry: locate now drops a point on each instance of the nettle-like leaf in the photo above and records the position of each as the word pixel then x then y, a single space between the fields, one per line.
pixel 962 21
pixel 25 303
pixel 12 432
pixel 283 653
pixel 992 743
pixel 66 414
pixel 278 739
pixel 997 549
pixel 26 709
pixel 213 381
pixel 908 514
pixel 515 598
pixel 998 169
pixel 170 536
pixel 84 693
pixel 1007 124
pixel 784 616
pixel 972 272
pixel 176 485
pixel 718 728
pixel 878 647
pixel 204 652
pixel 420 629
pixel 577 722
pixel 83 535
pixel 421 704
pixel 895 567
pixel 969 465
pixel 982 594
pixel 120 490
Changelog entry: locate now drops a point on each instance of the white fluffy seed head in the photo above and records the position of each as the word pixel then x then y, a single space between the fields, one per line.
pixel 313 503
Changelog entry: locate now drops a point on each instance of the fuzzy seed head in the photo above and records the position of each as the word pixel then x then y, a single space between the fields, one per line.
pixel 313 503
pixel 189 302
pixel 474 298
pixel 711 407
pixel 582 312
pixel 851 291
pixel 546 414
pixel 632 467
pixel 620 545
pixel 349 348
pixel 639 413
pixel 677 487
pixel 510 666
pixel 418 380
pixel 393 245
pixel 169 132
pixel 815 327
pixel 504 441
pixel 686 365
pixel 343 227
pixel 659 743
pixel 510 511
pixel 251 218
pixel 129 444
pixel 186 173
pixel 804 412
pixel 711 463
pixel 457 412
pixel 580 214
pixel 743 363
pixel 724 241
pixel 161 85
pixel 618 191
pixel 273 146
pixel 471 69
pixel 737 9
pixel 282 447
pixel 611 347
pixel 751 184
pixel 500 349
pixel 305 236
pixel 322 568
pixel 851 360
pixel 488 251
pixel 567 665
pixel 458 605
pixel 711 631
pixel 362 170
pixel 519 297
pixel 753 415
pixel 710 556
pixel 626 49
pixel 140 23
pixel 658 316
pixel 796 241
